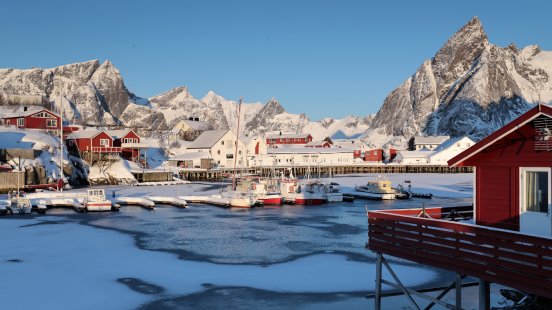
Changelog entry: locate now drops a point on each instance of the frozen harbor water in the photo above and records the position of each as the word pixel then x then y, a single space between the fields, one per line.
pixel 207 257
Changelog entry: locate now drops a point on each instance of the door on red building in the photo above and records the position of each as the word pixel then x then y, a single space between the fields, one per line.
pixel 535 201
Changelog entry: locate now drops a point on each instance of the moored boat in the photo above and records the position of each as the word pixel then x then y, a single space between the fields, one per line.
pixel 96 201
pixel 379 188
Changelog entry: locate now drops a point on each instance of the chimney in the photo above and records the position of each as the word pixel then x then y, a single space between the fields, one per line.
pixel 24 109
pixel 280 133
pixel 196 119
pixel 190 118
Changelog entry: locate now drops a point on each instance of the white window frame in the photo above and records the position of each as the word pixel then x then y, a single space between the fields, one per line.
pixel 522 189
pixel 104 142
pixel 51 123
pixel 21 122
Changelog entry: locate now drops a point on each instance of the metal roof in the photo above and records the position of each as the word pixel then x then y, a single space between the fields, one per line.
pixel 20 112
pixel 86 134
pixel 430 139
pixel 208 139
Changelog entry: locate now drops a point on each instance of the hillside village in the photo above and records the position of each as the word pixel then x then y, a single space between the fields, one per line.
pixel 118 154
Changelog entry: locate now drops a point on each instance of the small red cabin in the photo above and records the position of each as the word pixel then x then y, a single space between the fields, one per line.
pixel 512 187
pixel 33 118
pixel 129 141
pixel 375 155
pixel 302 138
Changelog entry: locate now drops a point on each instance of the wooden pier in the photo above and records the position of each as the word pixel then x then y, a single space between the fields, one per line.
pixel 195 174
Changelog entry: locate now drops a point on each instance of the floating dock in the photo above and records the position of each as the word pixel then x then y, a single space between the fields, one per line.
pixel 210 200
pixel 134 201
pixel 174 201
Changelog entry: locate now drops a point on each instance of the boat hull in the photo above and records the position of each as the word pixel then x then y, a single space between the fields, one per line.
pixel 270 199
pixel 98 206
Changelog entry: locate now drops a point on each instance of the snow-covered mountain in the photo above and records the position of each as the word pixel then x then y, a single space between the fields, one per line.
pixel 90 92
pixel 470 87
pixel 95 94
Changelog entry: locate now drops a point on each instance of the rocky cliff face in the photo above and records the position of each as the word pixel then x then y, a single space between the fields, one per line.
pixel 470 87
pixel 95 94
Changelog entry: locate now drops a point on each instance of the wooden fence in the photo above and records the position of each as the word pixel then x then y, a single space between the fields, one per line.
pixel 509 258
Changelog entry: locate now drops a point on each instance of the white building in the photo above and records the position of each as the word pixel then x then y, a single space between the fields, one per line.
pixel 413 157
pixel 188 129
pixel 449 149
pixel 303 156
pixel 221 146
pixel 429 143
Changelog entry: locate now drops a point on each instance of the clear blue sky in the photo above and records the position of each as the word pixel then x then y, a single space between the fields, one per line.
pixel 323 58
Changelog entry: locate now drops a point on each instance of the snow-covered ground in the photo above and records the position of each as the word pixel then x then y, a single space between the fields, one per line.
pixel 286 257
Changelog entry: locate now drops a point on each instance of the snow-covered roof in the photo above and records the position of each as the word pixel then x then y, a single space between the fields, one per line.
pixel 414 154
pixel 190 156
pixel 450 142
pixel 430 139
pixel 288 136
pixel 196 125
pixel 208 139
pixel 316 143
pixel 308 150
pixel 20 112
pixel 85 134
pixel 118 134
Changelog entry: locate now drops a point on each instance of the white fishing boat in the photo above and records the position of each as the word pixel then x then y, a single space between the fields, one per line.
pixel 96 201
pixel 267 191
pixel 21 205
pixel 379 188
pixel 304 193
pixel 333 192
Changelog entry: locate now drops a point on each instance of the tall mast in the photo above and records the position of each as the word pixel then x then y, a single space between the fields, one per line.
pixel 236 148
pixel 60 135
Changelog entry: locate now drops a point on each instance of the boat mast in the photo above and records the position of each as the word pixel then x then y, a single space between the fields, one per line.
pixel 60 136
pixel 236 148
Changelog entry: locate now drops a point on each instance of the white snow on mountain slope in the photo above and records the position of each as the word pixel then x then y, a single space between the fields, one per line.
pixel 469 88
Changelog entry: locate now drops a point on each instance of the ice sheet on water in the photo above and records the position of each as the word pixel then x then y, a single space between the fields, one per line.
pixel 68 264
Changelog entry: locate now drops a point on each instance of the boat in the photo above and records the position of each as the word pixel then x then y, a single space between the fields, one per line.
pixel 333 192
pixel 379 188
pixel 306 193
pixel 96 201
pixel 267 191
pixel 20 205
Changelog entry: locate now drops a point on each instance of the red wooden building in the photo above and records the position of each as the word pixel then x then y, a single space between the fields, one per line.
pixel 510 243
pixel 128 141
pixel 33 118
pixel 512 174
pixel 301 138
pixel 375 155
pixel 92 144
